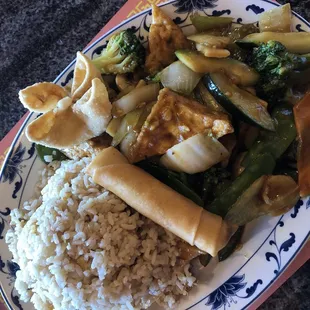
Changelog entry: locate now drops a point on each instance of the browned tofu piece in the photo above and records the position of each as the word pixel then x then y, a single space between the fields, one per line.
pixel 164 39
pixel 173 119
pixel 88 148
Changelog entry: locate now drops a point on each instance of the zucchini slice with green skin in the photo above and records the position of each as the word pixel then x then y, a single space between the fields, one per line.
pixel 239 72
pixel 202 23
pixel 295 42
pixel 238 102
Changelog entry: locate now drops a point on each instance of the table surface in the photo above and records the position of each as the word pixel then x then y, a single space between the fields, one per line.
pixel 39 38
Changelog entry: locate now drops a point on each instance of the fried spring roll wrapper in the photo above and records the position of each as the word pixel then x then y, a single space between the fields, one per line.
pixel 160 203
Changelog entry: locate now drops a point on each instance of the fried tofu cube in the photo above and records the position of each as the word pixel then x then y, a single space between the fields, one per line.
pixel 165 38
pixel 173 119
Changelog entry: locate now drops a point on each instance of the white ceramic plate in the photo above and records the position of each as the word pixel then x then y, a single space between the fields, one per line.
pixel 270 244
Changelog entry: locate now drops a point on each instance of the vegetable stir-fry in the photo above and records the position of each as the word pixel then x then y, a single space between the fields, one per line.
pixel 211 115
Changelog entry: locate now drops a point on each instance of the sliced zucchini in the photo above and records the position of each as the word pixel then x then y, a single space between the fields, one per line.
pixel 238 32
pixel 204 97
pixel 239 72
pixel 238 102
pixel 210 40
pixel 278 19
pixel 202 23
pixel 295 42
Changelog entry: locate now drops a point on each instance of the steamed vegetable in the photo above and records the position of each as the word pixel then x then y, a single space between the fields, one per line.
pixel 124 53
pixel 172 179
pixel 137 96
pixel 295 42
pixel 195 154
pixel 127 124
pixel 275 65
pixel 203 96
pixel 210 40
pixel 237 52
pixel 238 31
pixel 202 23
pixel 271 195
pixel 276 20
pixel 127 142
pixel 302 120
pixel 237 101
pixel 48 154
pixel 179 78
pixel 239 72
pixel 232 245
pixel 261 165
pixel 211 46
pixel 274 143
pixel 114 126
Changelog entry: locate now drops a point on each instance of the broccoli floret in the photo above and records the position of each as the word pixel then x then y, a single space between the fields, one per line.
pixel 275 65
pixel 124 53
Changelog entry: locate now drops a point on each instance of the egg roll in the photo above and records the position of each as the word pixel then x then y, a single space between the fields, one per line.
pixel 158 202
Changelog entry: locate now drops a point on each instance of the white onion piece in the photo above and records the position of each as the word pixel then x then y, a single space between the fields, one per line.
pixel 278 19
pixel 195 154
pixel 179 77
pixel 137 96
pixel 128 141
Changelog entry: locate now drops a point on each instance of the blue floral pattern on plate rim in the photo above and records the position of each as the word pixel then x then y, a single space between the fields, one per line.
pixel 277 250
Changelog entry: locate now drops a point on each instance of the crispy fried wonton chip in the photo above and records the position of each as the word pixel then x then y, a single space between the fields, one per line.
pixel 84 72
pixel 70 124
pixel 94 108
pixel 41 97
pixel 164 39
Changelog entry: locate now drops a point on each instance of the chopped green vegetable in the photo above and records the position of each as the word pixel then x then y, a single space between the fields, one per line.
pixel 203 96
pixel 268 195
pixel 261 165
pixel 128 122
pixel 172 179
pixel 295 42
pixel 238 31
pixel 54 154
pixel 134 98
pixel 203 23
pixel 260 160
pixel 274 143
pixel 210 40
pixel 275 65
pixel 124 53
pixel 113 126
pixel 232 245
pixel 238 71
pixel 237 52
pixel 240 103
